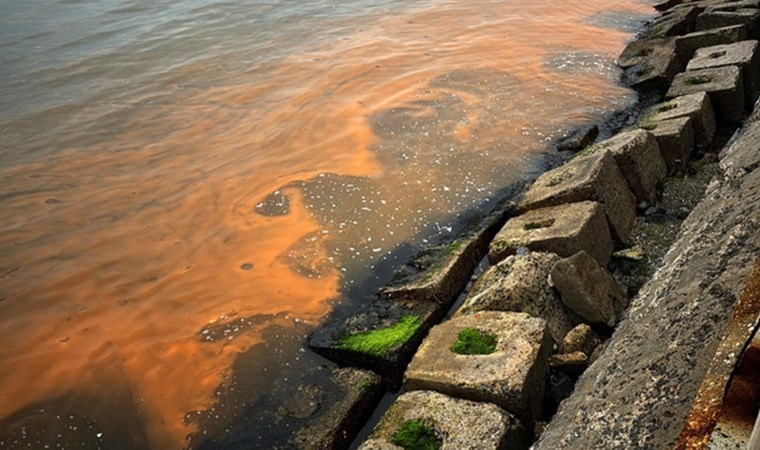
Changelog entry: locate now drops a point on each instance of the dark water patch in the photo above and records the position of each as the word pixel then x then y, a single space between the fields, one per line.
pixel 619 20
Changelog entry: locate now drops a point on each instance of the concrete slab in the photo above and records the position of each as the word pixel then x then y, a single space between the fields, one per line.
pixel 696 106
pixel 460 424
pixel 718 19
pixel 724 85
pixel 638 156
pixel 512 377
pixel 593 177
pixel 564 230
pixel 743 54
pixel 687 44
pixel 520 283
pixel 676 140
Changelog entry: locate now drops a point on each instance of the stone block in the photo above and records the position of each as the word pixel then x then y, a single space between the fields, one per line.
pixel 650 64
pixel 676 140
pixel 742 54
pixel 512 377
pixel 734 6
pixel 572 364
pixel 724 85
pixel 593 177
pixel 687 44
pixel 676 22
pixel 637 154
pixel 580 339
pixel 459 424
pixel 589 290
pixel 564 230
pixel 711 19
pixel 696 106
pixel 520 283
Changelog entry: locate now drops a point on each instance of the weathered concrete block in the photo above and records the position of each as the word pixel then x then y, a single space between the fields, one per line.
pixel 459 424
pixel 717 19
pixel 743 54
pixel 733 6
pixel 724 85
pixel 650 64
pixel 578 139
pixel 589 290
pixel 696 106
pixel 637 154
pixel 676 22
pixel 564 230
pixel 687 44
pixel 594 177
pixel 520 283
pixel 580 339
pixel 512 377
pixel 572 364
pixel 676 140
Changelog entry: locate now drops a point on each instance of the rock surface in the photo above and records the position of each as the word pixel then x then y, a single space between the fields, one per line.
pixel 724 85
pixel 676 140
pixel 697 106
pixel 580 339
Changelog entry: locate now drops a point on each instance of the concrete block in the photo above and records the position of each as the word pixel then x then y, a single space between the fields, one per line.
pixel 512 377
pixel 589 290
pixel 564 230
pixel 676 22
pixel 743 54
pixel 650 64
pixel 687 44
pixel 676 140
pixel 520 283
pixel 696 106
pixel 459 424
pixel 734 6
pixel 724 85
pixel 594 177
pixel 718 19
pixel 580 339
pixel 637 154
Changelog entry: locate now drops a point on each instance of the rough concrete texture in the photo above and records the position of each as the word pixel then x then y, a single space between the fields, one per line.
pixel 589 290
pixel 512 377
pixel 520 283
pixel 687 44
pixel 594 177
pixel 564 230
pixel 580 339
pixel 461 424
pixel 572 364
pixel 638 156
pixel 650 64
pixel 640 391
pixel 696 106
pixel 718 19
pixel 742 54
pixel 724 85
pixel 675 138
pixel 677 21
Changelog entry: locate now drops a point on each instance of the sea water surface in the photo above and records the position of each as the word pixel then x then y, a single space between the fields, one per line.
pixel 189 186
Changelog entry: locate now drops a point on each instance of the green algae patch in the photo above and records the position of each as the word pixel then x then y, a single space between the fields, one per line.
pixel 415 435
pixel 472 341
pixel 538 225
pixel 381 341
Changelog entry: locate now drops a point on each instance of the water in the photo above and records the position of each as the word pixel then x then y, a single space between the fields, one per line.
pixel 189 186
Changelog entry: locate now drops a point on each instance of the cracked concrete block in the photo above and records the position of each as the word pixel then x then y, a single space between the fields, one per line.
pixel 743 54
pixel 676 140
pixel 724 85
pixel 520 283
pixel 696 106
pixel 459 424
pixel 711 19
pixel 687 44
pixel 638 156
pixel 589 290
pixel 564 230
pixel 594 177
pixel 513 376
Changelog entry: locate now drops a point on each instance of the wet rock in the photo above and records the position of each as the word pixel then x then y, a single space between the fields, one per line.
pixel 520 283
pixel 580 339
pixel 675 138
pixel 742 54
pixel 594 177
pixel 579 139
pixel 676 22
pixel 589 290
pixel 572 364
pixel 687 44
pixel 513 376
pixel 696 106
pixel 564 230
pixel 724 85
pixel 459 424
pixel 650 64
pixel 275 204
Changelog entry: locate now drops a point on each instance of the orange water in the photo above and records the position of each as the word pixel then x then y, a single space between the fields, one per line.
pixel 137 142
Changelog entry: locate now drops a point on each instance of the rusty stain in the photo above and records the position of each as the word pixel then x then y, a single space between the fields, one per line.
pixel 714 401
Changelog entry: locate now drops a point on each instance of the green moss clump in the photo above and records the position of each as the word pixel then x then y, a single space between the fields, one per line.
pixel 454 247
pixel 693 81
pixel 415 435
pixel 381 341
pixel 366 384
pixel 472 341
pixel 538 225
